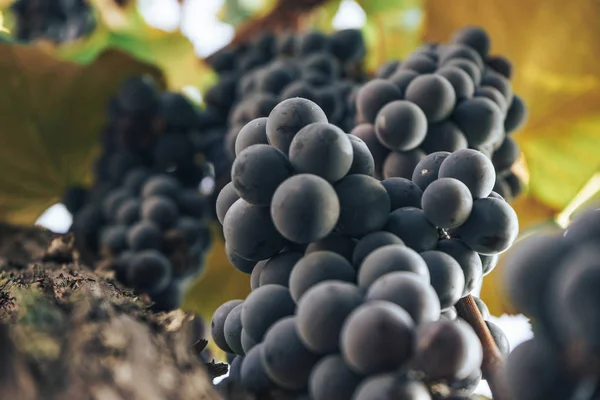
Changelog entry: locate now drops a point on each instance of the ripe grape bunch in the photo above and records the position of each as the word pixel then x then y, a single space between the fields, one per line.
pixel 443 97
pixel 255 76
pixel 553 277
pixel 56 20
pixel 145 215
pixel 354 281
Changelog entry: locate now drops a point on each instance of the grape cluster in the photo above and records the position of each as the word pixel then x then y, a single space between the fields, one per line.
pixel 145 213
pixel 443 97
pixel 354 280
pixel 553 277
pixel 256 75
pixel 56 20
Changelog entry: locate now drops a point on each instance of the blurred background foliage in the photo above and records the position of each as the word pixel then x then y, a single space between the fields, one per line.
pixel 54 95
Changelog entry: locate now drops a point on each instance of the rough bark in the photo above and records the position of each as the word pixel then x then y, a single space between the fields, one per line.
pixel 69 332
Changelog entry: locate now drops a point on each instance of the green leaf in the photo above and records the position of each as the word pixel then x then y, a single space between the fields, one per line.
pixel 380 6
pixel 236 12
pixel 52 112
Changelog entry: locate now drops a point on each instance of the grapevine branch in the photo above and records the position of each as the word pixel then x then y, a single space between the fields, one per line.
pixel 492 367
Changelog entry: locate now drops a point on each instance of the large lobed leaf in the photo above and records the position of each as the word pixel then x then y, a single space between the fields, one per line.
pixel 51 115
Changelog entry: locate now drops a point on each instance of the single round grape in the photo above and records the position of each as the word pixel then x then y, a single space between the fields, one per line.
pixel 495 80
pixel 321 149
pixel 347 45
pixel 483 309
pixel 364 205
pixel 479 119
pixel 390 387
pixel 516 116
pixel 311 42
pixel 322 62
pixel 273 79
pixel 401 125
pixel 305 208
pixel 402 192
pixel 427 169
pixel 499 338
pixel 193 203
pixel 257 172
pixel 433 94
pixel 241 264
pixel 386 69
pixel 191 229
pixel 217 324
pixel 506 155
pixel 263 307
pixel 254 132
pixel 253 376
pixel 366 132
pixel 447 278
pixel 412 226
pixel 114 239
pixel 370 243
pixel 402 164
pixel 114 199
pixel 409 291
pixel 285 358
pixel 149 271
pixel 377 337
pixel 235 368
pixel 161 185
pixel 447 203
pixel 391 258
pixel 460 51
pixel 247 342
pixel 494 95
pixel 335 242
pixel 461 81
pixel 255 275
pixel 332 379
pixel 448 350
pixel 419 63
pixel 288 117
pixel 128 212
pixel 227 196
pixel 317 267
pixel 469 261
pixel 474 37
pixel 469 66
pixel 585 227
pixel 402 78
pixel 321 312
pixel 373 96
pixel 501 65
pixel 473 169
pixel 362 160
pixel 144 235
pixel 232 330
pixel 278 268
pixel 161 210
pixel 250 233
pixel 491 228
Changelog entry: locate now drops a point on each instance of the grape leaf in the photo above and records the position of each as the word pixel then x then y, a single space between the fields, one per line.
pixel 52 112
pixel 235 12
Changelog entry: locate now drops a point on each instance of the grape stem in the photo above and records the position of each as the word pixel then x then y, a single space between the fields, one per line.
pixel 492 367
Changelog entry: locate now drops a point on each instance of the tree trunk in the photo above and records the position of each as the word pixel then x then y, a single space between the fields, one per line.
pixel 69 332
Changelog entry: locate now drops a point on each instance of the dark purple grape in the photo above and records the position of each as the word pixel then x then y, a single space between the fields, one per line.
pixel 161 210
pixel 402 78
pixel 386 69
pixel 254 132
pixel 470 67
pixel 506 155
pixel 241 264
pixel 495 80
pixel 128 212
pixel 402 164
pixel 227 196
pixel 469 261
pixel 362 160
pixel 161 185
pixel 232 329
pixel 255 276
pixel 332 379
pixel 447 203
pixel 419 63
pixel 149 271
pixel 370 243
pixel 426 171
pixel 473 169
pixel 391 258
pixel 501 65
pixel 400 125
pixel 114 239
pixel 263 307
pixel 461 81
pixel 494 95
pixel 217 324
pixel 144 235
pixel 373 96
pixel 390 387
pixel 479 119
pixel 434 95
pixel 113 201
pixel 402 193
pixel 253 376
pixel 460 51
pixel 447 277
pixel 277 270
pixel 366 132
pixel 335 242
pixel 412 226
pixel 474 37
pixel 247 342
pixel 516 116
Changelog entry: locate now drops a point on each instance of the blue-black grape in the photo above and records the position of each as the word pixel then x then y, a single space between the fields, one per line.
pixel 469 261
pixel 373 96
pixel 241 264
pixel 426 171
pixel 491 228
pixel 402 192
pixel 347 45
pixel 501 65
pixel 161 210
pixel 472 168
pixel 506 155
pixel 335 242
pixel 474 37
pixel 113 201
pixel 390 387
pixel 410 291
pixel 247 342
pixel 322 311
pixel 495 80
pixel 370 243
pixel 263 307
pixel 516 116
pixel 420 63
pixel 114 239
pixel 499 338
pixel 227 196
pixel 192 203
pixel 135 179
pixel 366 132
pixel 448 350
pixel 253 376
pixel 149 271
pixel 391 258
pixel 250 233
pixel 254 132
pixel 412 226
pixel 362 160
pixel 470 67
pixel 402 78
pixel 462 52
pixel 285 358
pixel 332 379
pixel 288 117
pixel 305 208
pixel 161 185
pixel 479 119
pixel 488 262
pixel 376 337
pixel 321 149
pixel 235 368
pixel 128 212
pixel 402 164
pixel 257 172
pixel 255 275
pixel 386 69
pixel 401 125
pixel 461 81
pixel 433 94
pixel 447 278
pixel 447 203
pixel 278 268
pixel 232 329
pixel 492 94
pixel 217 324
pixel 483 309
pixel 364 213
pixel 317 267
pixel 144 235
